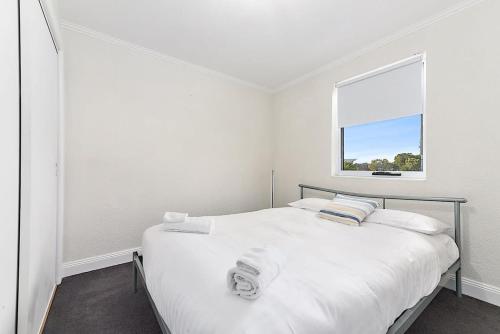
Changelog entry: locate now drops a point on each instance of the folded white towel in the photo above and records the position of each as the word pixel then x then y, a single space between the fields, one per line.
pixel 174 217
pixel 199 225
pixel 254 271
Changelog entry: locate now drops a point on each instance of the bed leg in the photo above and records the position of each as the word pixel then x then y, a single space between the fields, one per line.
pixel 135 276
pixel 458 282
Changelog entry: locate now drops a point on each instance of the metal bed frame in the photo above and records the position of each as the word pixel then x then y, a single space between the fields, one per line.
pixel 406 319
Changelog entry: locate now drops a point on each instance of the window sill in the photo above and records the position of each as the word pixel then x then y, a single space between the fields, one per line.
pixel 381 177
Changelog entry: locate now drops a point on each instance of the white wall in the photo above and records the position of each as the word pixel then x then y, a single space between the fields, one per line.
pixel 9 163
pixel 145 134
pixel 463 80
pixel 39 102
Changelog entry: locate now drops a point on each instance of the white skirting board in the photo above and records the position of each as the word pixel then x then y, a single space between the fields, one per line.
pixel 475 289
pixel 98 262
pixel 482 291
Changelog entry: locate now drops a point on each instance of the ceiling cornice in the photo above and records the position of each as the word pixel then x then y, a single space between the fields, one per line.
pixel 140 49
pixel 381 42
pixel 336 62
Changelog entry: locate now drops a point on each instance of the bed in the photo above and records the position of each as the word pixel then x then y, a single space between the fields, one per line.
pixel 338 279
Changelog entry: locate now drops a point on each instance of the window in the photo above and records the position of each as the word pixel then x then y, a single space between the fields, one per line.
pixel 379 122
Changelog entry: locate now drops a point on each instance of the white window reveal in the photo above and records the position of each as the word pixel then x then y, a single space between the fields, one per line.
pixel 378 122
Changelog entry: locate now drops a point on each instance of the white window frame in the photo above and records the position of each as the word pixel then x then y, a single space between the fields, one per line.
pixel 337 136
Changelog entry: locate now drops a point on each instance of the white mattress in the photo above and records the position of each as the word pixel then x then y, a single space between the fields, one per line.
pixel 338 278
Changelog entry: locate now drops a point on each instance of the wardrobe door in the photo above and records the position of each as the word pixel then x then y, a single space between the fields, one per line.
pixel 9 163
pixel 39 109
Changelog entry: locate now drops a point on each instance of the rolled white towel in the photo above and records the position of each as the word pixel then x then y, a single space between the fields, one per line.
pixel 254 271
pixel 200 225
pixel 174 217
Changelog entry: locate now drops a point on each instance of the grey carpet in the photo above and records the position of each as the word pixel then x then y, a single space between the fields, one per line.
pixel 103 301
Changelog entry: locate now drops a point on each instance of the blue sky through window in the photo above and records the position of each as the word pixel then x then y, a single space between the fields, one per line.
pixel 382 139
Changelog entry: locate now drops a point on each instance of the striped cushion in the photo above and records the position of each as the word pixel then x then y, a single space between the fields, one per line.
pixel 372 202
pixel 346 211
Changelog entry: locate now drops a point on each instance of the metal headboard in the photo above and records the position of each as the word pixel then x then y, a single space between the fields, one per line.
pixel 456 202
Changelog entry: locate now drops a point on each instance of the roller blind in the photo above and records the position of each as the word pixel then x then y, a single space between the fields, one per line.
pixel 393 91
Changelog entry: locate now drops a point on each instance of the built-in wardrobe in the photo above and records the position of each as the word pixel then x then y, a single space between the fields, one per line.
pixel 29 134
pixel 9 164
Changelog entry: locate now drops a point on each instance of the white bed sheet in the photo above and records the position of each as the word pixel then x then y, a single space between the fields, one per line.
pixel 338 278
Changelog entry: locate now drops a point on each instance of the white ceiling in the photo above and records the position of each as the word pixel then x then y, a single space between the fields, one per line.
pixel 265 42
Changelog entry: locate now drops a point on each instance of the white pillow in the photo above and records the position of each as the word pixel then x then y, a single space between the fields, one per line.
pixel 407 220
pixel 313 204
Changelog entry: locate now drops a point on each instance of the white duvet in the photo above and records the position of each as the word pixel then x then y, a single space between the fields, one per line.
pixel 338 278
